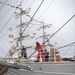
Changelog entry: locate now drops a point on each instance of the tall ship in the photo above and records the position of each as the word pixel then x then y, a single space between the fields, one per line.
pixel 35 63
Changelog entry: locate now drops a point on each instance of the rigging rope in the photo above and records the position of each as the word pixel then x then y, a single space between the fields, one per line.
pixel 43 12
pixel 4 5
pixel 66 51
pixel 60 28
pixel 7 22
pixel 7 10
pixel 2 50
pixel 46 9
pixel 30 3
pixel 66 45
pixel 8 29
pixel 10 17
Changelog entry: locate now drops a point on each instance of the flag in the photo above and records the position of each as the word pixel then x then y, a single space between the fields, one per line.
pixel 11 36
pixel 47 39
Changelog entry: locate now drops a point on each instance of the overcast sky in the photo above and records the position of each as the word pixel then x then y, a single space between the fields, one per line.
pixel 55 12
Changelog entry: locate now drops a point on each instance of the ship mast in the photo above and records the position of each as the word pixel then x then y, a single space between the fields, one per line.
pixel 22 12
pixel 21 28
pixel 43 37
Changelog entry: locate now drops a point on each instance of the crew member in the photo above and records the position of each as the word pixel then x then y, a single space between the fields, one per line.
pixel 23 52
pixel 46 56
pixel 40 52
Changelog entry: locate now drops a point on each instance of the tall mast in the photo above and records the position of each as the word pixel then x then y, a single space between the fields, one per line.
pixel 20 27
pixel 43 37
pixel 20 14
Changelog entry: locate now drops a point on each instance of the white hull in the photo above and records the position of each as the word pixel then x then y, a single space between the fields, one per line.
pixel 24 72
pixel 56 68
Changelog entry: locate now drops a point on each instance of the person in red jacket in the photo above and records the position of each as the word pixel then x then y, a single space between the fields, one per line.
pixel 40 52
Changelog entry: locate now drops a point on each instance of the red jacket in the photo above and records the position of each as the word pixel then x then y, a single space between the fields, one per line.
pixel 38 46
